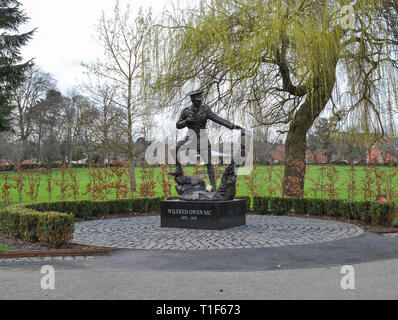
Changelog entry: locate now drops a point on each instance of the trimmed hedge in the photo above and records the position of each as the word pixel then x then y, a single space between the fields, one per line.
pixel 377 213
pixel 261 205
pixel 395 223
pixel 86 209
pixel 248 202
pixel 50 228
pixel 52 223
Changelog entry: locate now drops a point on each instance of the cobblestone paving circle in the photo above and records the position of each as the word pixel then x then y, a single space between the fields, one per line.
pixel 144 233
pixel 47 259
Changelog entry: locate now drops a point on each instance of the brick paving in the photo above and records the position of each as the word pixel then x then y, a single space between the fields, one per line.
pixel 46 259
pixel 145 233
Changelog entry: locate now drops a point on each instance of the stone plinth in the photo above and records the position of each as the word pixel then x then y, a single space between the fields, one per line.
pixel 204 215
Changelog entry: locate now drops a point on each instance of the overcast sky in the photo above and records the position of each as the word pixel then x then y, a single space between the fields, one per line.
pixel 64 37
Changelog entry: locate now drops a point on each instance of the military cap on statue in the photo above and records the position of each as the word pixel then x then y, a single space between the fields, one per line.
pixel 196 93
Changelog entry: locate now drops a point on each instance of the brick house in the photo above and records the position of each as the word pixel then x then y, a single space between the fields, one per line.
pixel 278 154
pixel 319 157
pixel 379 154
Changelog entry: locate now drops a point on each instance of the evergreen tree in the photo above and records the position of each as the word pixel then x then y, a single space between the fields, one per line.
pixel 12 68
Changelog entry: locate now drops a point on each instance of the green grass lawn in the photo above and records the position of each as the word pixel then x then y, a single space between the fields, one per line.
pixel 260 178
pixel 4 248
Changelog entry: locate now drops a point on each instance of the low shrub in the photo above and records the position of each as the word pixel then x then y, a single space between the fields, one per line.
pixel 261 205
pixel 28 226
pixel 52 223
pixel 55 229
pixel 248 202
pixel 281 206
pixel 333 208
pixel 51 228
pixel 85 209
pixel 383 214
pixel 9 222
pixel 395 223
pixel 6 168
pixel 376 213
pixel 315 207
pixel 300 206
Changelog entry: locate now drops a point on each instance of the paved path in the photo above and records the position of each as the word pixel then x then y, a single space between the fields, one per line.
pixel 29 260
pixel 303 261
pixel 144 233
pixel 376 280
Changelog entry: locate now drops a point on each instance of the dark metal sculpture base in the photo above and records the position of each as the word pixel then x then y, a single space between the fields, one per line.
pixel 204 215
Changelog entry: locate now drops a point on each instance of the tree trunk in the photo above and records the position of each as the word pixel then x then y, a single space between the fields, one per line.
pixel 70 148
pixel 296 142
pixel 133 181
pixel 130 148
pixel 39 145
pixel 295 168
pixel 130 151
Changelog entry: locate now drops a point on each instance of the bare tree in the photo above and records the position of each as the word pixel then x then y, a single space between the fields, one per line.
pixel 32 90
pixel 355 145
pixel 73 118
pixel 87 143
pixel 102 118
pixel 321 138
pixel 48 127
pixel 126 44
pixel 10 149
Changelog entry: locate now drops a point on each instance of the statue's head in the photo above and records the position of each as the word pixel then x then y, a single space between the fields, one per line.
pixel 197 98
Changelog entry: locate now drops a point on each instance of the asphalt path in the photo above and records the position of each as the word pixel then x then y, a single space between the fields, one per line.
pixel 375 280
pixel 291 272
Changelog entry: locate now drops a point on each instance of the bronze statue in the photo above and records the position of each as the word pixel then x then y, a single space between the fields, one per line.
pixel 195 118
pixel 194 189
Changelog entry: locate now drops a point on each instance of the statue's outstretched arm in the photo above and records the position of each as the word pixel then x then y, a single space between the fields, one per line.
pixel 225 123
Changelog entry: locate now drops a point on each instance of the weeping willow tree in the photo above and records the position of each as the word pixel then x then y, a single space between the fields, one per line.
pixel 284 62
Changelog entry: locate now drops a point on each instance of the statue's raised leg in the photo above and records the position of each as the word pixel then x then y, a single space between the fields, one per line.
pixel 210 169
pixel 212 176
pixel 178 172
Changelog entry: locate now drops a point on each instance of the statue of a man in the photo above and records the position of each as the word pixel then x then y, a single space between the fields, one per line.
pixel 195 118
